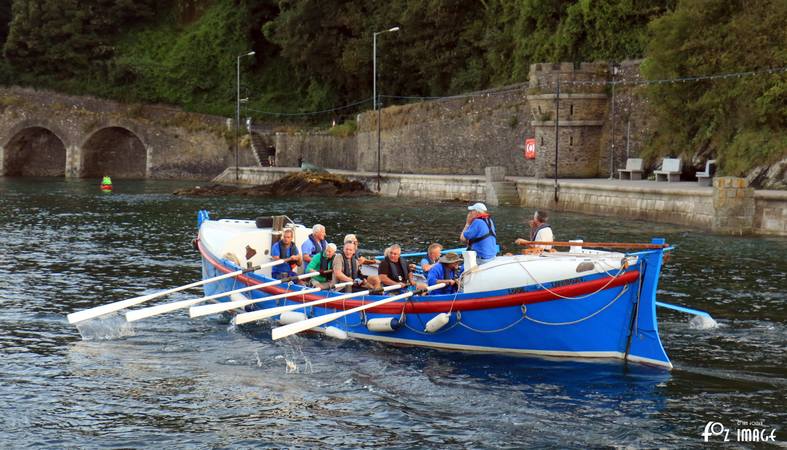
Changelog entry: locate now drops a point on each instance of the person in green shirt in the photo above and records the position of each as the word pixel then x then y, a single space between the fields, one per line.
pixel 322 262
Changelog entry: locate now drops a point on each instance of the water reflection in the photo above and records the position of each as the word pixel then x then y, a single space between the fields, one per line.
pixel 200 383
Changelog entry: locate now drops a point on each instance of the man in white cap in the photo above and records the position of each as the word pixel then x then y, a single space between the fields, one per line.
pixel 479 233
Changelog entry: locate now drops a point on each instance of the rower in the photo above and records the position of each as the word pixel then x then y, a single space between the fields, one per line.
pixel 285 249
pixel 432 255
pixel 479 233
pixel 446 271
pixel 315 243
pixel 540 231
pixel 346 267
pixel 322 262
pixel 394 269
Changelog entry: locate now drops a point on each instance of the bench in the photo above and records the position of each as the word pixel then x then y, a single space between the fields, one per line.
pixel 633 170
pixel 706 178
pixel 670 170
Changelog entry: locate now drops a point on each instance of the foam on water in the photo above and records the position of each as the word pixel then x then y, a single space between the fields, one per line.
pixel 113 326
pixel 703 323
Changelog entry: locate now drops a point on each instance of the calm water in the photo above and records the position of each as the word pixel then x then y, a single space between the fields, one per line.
pixel 180 383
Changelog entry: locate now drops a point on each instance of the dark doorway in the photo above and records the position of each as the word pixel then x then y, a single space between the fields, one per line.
pixel 116 152
pixel 35 152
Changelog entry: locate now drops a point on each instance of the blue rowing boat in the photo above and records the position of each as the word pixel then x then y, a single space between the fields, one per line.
pixel 581 304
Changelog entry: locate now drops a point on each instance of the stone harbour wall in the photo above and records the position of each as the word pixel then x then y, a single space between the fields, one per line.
pixel 730 207
pixel 321 149
pixel 688 207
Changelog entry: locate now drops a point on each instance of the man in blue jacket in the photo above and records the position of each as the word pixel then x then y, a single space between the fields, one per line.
pixel 285 249
pixel 479 233
pixel 445 271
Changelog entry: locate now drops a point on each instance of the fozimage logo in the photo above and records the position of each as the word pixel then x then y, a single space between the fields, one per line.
pixel 754 431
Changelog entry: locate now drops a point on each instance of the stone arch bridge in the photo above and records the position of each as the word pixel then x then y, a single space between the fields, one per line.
pixel 48 134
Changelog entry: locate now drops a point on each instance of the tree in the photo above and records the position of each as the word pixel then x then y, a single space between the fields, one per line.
pixel 742 122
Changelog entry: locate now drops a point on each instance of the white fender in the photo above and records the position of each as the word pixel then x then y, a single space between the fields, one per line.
pixel 437 322
pixel 337 333
pixel 383 324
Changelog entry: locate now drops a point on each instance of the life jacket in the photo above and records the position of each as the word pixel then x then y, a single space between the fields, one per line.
pixel 325 262
pixel 319 246
pixel 491 232
pixel 401 267
pixel 534 233
pixel 287 252
pixel 352 264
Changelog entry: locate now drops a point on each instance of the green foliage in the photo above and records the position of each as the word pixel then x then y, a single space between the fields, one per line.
pixel 345 129
pixel 742 122
pixel 315 55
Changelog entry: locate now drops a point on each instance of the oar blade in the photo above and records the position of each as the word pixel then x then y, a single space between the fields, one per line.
pixel 102 310
pixel 144 313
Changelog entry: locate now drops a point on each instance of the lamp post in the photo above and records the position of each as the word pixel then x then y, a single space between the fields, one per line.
pixel 615 70
pixel 374 94
pixel 237 114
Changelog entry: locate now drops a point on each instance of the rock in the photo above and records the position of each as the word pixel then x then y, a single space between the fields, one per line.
pixel 293 185
pixel 769 177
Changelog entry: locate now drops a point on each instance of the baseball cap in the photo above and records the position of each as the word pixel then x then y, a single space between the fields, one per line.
pixel 480 207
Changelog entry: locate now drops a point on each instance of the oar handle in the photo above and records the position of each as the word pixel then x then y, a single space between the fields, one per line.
pixel 591 244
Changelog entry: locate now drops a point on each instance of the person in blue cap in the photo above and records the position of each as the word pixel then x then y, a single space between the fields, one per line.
pixel 479 233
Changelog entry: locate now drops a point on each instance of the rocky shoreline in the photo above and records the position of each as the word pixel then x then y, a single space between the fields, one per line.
pixel 303 184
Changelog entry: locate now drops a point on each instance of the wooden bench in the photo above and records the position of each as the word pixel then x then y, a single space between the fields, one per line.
pixel 670 170
pixel 633 170
pixel 706 178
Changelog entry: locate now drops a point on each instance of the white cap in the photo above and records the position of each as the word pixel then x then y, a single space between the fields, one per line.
pixel 480 207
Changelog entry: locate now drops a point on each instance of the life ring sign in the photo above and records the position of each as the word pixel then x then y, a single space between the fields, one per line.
pixel 530 148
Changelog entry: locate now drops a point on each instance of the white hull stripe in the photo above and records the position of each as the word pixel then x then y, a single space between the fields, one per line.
pixel 512 351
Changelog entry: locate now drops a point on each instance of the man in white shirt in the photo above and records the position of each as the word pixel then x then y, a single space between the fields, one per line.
pixel 540 231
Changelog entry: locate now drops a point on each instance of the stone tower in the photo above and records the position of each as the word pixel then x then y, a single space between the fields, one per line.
pixel 581 118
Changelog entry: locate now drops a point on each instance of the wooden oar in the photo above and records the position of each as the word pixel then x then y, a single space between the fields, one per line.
pixel 97 311
pixel 151 311
pixel 215 308
pixel 270 312
pixel 591 244
pixel 297 327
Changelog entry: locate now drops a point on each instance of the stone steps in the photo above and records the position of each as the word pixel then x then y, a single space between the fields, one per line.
pixel 502 193
pixel 258 149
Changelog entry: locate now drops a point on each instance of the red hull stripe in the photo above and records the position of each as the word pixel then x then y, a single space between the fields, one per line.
pixel 418 305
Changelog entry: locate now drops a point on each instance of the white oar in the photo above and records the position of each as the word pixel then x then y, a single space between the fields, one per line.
pixel 139 314
pixel 97 311
pixel 297 327
pixel 270 312
pixel 215 308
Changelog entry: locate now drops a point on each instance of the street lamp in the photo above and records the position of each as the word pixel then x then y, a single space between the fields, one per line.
pixel 237 115
pixel 374 94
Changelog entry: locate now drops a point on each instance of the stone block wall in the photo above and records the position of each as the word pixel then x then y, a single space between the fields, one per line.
pixel 770 215
pixel 449 136
pixel 321 149
pixel 733 201
pixel 689 207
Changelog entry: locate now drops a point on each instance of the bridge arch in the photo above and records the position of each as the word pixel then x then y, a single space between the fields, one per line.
pixel 33 150
pixel 115 151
